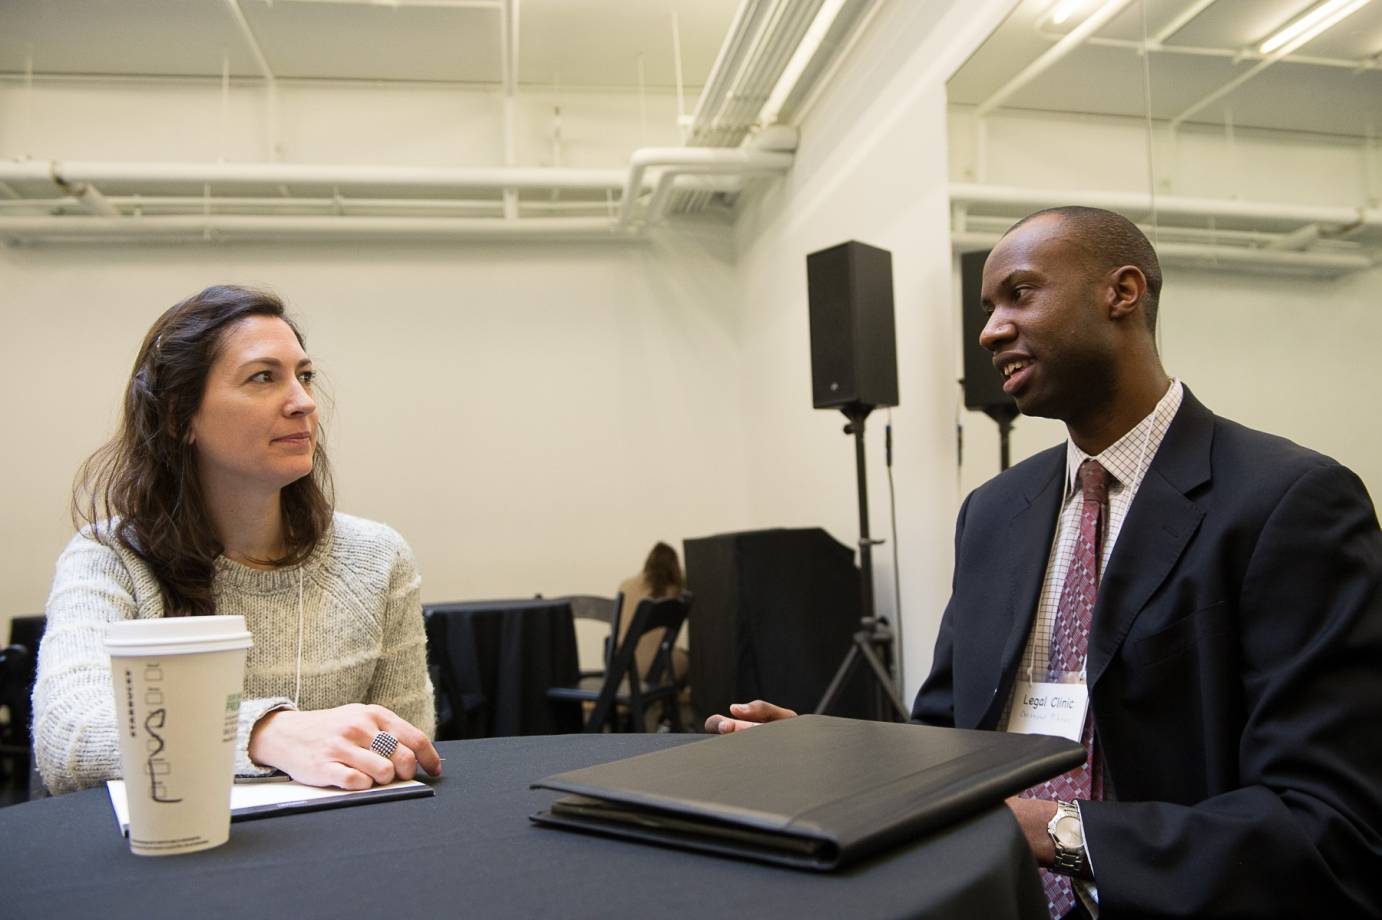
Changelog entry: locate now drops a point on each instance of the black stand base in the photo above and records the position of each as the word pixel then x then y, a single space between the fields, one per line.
pixel 871 644
pixel 875 637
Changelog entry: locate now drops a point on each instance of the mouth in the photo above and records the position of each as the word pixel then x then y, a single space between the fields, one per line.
pixel 1016 369
pixel 301 437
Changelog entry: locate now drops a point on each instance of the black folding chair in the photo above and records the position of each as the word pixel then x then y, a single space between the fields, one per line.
pixel 16 749
pixel 622 688
pixel 601 610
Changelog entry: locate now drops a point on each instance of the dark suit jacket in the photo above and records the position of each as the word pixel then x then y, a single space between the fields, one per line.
pixel 1235 671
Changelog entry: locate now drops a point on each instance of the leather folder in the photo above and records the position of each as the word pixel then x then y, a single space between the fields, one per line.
pixel 814 792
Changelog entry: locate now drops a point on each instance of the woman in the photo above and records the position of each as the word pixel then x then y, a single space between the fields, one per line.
pixel 661 577
pixel 215 497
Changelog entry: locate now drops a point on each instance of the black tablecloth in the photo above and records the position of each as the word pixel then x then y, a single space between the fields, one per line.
pixel 471 852
pixel 492 662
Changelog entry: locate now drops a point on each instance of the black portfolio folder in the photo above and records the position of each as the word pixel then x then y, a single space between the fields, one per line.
pixel 813 792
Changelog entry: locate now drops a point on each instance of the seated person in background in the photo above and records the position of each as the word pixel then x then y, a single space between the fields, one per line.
pixel 661 577
pixel 215 498
pixel 1218 590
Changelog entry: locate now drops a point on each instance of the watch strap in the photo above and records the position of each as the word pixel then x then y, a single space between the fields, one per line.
pixel 1069 860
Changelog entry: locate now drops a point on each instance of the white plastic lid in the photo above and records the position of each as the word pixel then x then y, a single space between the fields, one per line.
pixel 177 636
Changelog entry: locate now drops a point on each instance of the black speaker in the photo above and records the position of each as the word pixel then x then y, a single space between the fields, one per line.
pixel 983 384
pixel 853 344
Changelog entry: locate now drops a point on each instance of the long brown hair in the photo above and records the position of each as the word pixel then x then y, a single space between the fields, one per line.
pixel 662 571
pixel 144 483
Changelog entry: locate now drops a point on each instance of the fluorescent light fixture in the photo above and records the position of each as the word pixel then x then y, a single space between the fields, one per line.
pixel 1064 10
pixel 1307 27
pixel 806 50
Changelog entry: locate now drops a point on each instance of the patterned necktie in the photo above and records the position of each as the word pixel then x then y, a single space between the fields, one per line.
pixel 1069 648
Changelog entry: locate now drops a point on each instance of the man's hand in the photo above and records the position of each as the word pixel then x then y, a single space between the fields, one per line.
pixel 1032 816
pixel 330 747
pixel 746 715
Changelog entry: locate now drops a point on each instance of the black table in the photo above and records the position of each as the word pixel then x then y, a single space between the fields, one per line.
pixel 492 662
pixel 471 852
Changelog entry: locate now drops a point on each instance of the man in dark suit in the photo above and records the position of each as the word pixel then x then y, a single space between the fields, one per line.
pixel 1217 590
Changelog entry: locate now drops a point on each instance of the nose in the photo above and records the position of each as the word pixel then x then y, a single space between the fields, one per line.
pixel 300 401
pixel 997 331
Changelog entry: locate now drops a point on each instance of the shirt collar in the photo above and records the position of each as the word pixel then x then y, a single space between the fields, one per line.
pixel 1128 458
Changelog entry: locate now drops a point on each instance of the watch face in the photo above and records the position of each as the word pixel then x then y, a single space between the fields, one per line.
pixel 1068 832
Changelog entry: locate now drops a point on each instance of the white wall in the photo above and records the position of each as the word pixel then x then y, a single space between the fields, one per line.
pixel 532 417
pixel 1287 354
pixel 871 167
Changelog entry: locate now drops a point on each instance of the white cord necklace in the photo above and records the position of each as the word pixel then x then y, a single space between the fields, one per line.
pixel 297 687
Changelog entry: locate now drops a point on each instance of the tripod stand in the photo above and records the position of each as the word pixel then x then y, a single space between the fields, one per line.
pixel 872 640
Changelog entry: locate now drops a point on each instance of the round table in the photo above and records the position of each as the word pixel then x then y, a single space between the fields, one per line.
pixel 471 851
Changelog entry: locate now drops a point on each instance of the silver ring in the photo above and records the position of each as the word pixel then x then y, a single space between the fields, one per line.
pixel 384 744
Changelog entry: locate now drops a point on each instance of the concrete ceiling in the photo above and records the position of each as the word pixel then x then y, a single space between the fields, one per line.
pixel 1331 85
pixel 571 43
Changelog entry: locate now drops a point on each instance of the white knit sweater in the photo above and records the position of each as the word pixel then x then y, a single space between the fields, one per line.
pixel 362 641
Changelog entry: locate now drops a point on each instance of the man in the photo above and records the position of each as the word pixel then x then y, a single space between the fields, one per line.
pixel 1217 590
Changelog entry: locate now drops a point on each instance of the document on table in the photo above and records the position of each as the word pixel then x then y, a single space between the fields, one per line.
pixel 264 800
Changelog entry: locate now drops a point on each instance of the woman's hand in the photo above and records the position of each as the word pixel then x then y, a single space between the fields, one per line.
pixel 330 747
pixel 747 715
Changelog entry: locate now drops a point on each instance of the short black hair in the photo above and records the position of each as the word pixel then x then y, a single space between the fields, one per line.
pixel 1113 241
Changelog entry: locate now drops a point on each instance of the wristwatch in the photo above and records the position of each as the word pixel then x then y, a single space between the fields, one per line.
pixel 1067 833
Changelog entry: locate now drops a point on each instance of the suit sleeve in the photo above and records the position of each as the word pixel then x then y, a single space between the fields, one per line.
pixel 935 701
pixel 1302 834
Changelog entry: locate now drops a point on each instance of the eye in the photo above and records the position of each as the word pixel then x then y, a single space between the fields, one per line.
pixel 307 377
pixel 262 377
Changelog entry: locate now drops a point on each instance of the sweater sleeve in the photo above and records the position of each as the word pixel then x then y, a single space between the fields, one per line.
pixel 74 735
pixel 401 682
pixel 76 743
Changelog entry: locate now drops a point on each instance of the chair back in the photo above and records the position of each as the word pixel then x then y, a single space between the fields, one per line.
pixel 666 614
pixel 613 628
pixel 16 749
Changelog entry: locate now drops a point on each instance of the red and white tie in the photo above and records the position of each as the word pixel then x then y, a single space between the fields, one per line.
pixel 1069 648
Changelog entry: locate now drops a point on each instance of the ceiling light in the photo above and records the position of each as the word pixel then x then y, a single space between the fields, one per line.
pixel 1310 25
pixel 806 50
pixel 1064 10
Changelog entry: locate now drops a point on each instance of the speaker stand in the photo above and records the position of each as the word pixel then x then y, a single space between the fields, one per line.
pixel 874 637
pixel 1004 416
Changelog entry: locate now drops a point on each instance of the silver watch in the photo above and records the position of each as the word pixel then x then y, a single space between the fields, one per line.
pixel 1067 833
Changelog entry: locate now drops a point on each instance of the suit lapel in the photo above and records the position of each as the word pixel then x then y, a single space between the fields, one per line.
pixel 1029 537
pixel 1158 527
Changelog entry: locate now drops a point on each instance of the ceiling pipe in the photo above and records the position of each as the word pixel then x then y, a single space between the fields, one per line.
pixel 1053 55
pixel 1187 15
pixel 1236 54
pixel 94 202
pixel 270 81
pixel 704 170
pixel 227 227
pixel 1027 200
pixel 691 161
pixel 1200 253
pixel 1298 239
pixel 241 175
pixel 508 56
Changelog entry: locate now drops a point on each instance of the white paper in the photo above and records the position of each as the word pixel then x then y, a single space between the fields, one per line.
pixel 252 796
pixel 1041 708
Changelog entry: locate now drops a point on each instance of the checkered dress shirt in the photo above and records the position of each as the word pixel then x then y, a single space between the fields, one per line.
pixel 1127 460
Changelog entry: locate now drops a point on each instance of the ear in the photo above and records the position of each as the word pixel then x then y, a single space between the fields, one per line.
pixel 1127 287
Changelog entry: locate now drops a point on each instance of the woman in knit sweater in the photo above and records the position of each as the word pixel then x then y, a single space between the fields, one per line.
pixel 214 497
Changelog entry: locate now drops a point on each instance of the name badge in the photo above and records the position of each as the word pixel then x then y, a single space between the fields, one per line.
pixel 1049 709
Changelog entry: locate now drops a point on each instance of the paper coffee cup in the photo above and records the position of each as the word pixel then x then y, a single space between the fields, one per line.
pixel 177 701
